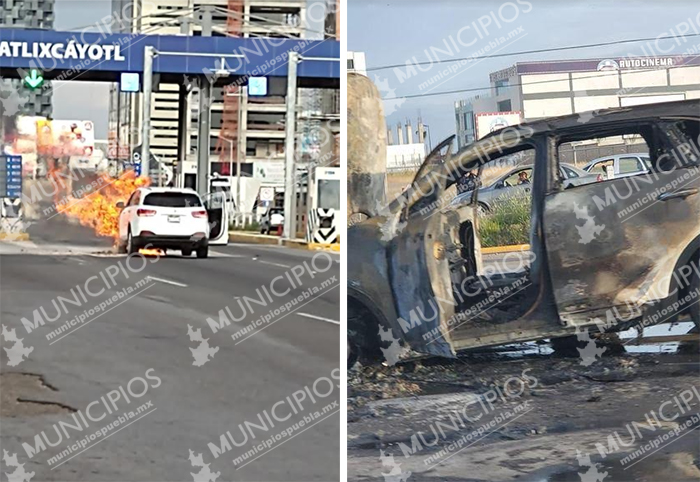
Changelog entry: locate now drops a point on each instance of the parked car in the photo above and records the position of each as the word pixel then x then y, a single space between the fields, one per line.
pixel 624 165
pixel 271 220
pixel 509 185
pixel 164 218
pixel 624 247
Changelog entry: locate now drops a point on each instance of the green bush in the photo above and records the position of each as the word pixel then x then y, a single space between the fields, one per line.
pixel 507 223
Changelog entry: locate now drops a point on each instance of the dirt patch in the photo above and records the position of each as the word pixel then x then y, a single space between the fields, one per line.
pixel 26 394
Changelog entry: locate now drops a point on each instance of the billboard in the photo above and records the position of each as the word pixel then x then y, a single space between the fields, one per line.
pixel 488 122
pixel 65 138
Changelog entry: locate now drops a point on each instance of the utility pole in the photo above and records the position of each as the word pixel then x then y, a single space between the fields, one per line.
pixel 203 132
pixel 290 198
pixel 148 55
pixel 240 154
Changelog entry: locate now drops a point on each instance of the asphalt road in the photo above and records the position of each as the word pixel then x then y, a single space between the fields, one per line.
pixel 275 385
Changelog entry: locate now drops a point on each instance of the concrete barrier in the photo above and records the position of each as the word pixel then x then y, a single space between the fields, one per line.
pixel 254 238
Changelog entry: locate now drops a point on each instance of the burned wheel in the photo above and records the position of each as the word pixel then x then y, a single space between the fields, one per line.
pixel 362 336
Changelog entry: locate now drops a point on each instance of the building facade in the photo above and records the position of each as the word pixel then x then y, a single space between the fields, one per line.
pixel 406 149
pixel 245 131
pixel 29 14
pixel 356 62
pixel 554 88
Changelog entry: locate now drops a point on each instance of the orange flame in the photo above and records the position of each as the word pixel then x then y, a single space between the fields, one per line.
pixel 151 252
pixel 98 209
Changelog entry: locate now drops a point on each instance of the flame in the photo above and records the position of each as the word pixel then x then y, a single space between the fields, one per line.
pixel 151 252
pixel 98 209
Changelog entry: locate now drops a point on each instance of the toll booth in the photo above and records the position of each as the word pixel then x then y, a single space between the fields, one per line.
pixel 324 205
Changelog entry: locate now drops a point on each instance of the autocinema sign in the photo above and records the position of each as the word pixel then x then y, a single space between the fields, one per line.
pixel 60 51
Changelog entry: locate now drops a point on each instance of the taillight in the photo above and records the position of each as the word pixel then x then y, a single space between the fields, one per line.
pixel 145 212
pixel 600 178
pixel 199 214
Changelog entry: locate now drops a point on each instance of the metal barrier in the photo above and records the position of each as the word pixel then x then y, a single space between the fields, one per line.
pixel 241 220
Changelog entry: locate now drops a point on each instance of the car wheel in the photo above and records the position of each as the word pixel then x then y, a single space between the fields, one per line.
pixel 353 353
pixel 187 252
pixel 262 231
pixel 203 252
pixel 121 247
pixel 131 247
pixel 362 336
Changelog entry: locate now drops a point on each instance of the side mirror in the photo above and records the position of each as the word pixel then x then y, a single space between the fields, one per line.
pixel 500 185
pixel 120 205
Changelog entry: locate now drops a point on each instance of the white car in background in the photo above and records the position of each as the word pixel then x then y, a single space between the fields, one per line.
pixel 623 165
pixel 164 218
pixel 271 220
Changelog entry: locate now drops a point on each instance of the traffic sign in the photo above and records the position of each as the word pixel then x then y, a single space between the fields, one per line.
pixel 34 79
pixel 257 86
pixel 10 176
pixel 129 82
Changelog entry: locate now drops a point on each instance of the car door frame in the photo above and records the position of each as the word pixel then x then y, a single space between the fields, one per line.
pixel 128 212
pixel 427 238
pixel 601 279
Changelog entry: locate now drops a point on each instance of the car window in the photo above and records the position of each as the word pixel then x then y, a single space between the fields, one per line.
pixel 647 162
pixel 628 165
pixel 523 176
pixel 569 173
pixel 599 167
pixel 172 200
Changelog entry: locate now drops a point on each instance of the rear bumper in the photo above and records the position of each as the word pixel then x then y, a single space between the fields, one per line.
pixel 171 242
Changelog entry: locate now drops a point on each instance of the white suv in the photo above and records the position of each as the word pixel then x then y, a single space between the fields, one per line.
pixel 164 218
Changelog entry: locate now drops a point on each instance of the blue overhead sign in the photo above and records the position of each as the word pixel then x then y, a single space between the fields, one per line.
pixel 67 54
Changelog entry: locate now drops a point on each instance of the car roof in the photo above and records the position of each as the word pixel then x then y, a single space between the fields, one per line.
pixel 152 189
pixel 673 109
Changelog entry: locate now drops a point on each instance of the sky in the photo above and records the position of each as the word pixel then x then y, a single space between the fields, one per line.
pixel 81 100
pixel 90 100
pixel 393 31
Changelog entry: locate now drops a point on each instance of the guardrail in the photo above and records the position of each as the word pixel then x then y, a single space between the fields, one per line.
pixel 241 220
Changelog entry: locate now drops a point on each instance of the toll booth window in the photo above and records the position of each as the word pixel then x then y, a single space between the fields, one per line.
pixel 328 194
pixel 172 200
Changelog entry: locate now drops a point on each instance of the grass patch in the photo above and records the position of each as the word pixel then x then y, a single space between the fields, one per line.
pixel 507 223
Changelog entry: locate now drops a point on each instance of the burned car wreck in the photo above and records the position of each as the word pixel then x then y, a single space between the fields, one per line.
pixel 601 256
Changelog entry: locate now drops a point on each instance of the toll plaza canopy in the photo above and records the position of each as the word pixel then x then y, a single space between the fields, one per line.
pixel 92 56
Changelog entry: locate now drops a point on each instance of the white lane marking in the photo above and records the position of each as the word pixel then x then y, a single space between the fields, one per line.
pixel 314 317
pixel 167 281
pixel 225 255
pixel 275 264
